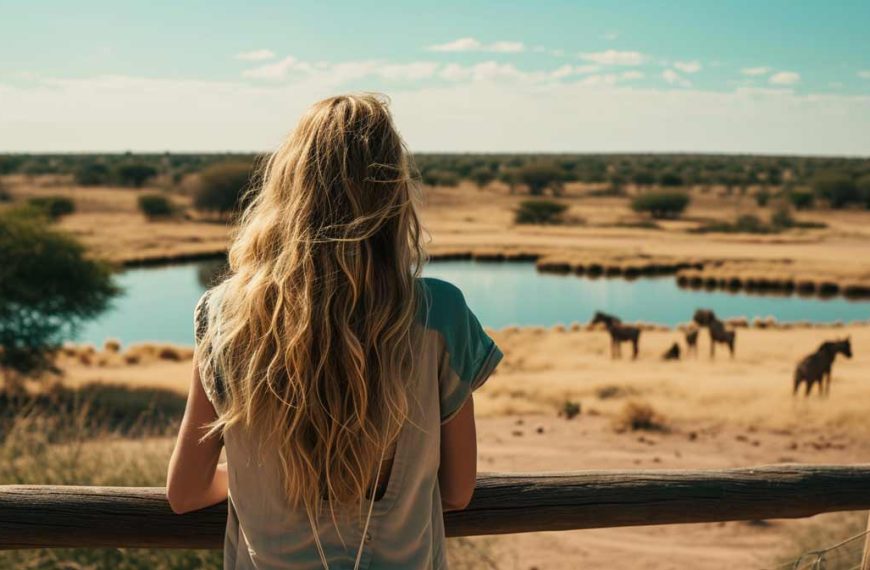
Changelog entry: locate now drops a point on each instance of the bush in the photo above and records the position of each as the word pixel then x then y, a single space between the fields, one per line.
pixel 864 189
pixel 155 206
pixel 762 197
pixel 482 176
pixel 5 196
pixel 222 187
pixel 540 177
pixel 539 212
pixel 55 207
pixel 661 204
pixel 671 179
pixel 440 178
pixel 801 199
pixel 837 188
pixel 92 174
pixel 782 218
pixel 135 174
pixel 49 287
pixel 750 224
pixel 639 416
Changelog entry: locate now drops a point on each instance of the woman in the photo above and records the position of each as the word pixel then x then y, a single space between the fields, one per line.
pixel 330 372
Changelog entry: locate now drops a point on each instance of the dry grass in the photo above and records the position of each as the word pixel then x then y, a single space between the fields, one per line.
pixel 639 416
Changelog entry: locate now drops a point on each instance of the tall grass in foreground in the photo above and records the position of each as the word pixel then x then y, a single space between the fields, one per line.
pixel 69 437
pixel 827 531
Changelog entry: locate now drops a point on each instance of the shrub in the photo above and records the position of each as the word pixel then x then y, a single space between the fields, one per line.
pixel 222 187
pixel 155 206
pixel 762 198
pixel 92 174
pixel 440 178
pixel 541 176
pixel 5 196
pixel 639 416
pixel 644 178
pixel 55 207
pixel 482 176
pixel 864 189
pixel 135 174
pixel 782 218
pixel 749 223
pixel 661 204
pixel 539 212
pixel 671 179
pixel 837 188
pixel 49 287
pixel 801 199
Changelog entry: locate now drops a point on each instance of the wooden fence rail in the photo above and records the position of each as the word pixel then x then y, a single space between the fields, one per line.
pixel 52 516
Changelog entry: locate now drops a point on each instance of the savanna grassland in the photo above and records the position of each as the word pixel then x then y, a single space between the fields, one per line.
pixel 697 412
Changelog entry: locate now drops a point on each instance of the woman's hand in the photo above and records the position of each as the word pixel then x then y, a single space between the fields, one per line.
pixel 195 480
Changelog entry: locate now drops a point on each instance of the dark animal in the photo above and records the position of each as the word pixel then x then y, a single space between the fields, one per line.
pixel 816 368
pixel 692 342
pixel 718 332
pixel 673 353
pixel 619 333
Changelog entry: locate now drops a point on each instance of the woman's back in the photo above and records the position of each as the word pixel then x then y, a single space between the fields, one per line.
pixel 406 529
pixel 324 357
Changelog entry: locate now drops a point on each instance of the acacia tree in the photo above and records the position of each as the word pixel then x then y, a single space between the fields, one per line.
pixel 541 176
pixel 48 287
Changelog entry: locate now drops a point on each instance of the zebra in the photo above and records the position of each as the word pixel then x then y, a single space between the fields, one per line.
pixel 619 333
pixel 718 332
pixel 816 368
pixel 692 341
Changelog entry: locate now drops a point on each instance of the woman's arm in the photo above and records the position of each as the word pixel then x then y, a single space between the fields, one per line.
pixel 458 471
pixel 195 480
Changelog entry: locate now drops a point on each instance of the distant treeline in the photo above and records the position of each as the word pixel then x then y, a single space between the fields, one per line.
pixel 838 180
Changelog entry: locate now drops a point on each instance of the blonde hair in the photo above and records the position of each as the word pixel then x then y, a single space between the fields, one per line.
pixel 313 332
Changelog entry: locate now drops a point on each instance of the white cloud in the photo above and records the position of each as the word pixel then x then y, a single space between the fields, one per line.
pixel 864 74
pixel 410 71
pixel 609 36
pixel 614 57
pixel 753 71
pixel 462 44
pixel 693 66
pixel 784 78
pixel 631 75
pixel 675 78
pixel 473 44
pixel 146 114
pixel 506 47
pixel 279 69
pixel 255 55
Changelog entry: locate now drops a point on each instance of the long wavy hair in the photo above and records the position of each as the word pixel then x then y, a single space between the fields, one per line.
pixel 313 331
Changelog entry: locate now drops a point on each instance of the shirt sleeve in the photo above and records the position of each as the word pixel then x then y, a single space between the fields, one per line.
pixel 469 354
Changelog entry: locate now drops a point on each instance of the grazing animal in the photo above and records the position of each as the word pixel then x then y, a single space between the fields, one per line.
pixel 619 333
pixel 692 341
pixel 816 368
pixel 673 353
pixel 718 332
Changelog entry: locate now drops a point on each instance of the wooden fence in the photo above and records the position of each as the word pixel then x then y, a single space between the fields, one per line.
pixel 65 516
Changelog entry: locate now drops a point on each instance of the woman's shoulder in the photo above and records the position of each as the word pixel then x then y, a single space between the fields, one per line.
pixel 443 301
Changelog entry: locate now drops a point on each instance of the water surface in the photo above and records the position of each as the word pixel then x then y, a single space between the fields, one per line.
pixel 157 303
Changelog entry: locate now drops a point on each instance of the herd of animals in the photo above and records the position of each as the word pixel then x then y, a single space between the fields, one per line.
pixel 813 369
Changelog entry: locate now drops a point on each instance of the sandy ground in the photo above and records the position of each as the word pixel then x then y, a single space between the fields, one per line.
pixel 717 413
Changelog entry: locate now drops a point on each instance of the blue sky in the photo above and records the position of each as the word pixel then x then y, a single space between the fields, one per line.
pixel 734 76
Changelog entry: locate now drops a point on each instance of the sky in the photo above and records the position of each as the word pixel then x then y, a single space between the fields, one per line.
pixel 734 76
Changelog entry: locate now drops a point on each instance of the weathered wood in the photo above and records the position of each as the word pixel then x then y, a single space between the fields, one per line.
pixel 43 516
